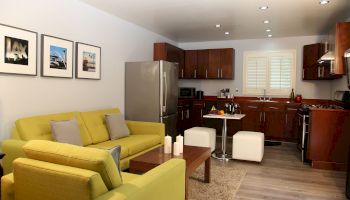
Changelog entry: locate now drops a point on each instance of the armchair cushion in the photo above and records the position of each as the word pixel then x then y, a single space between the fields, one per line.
pixel 92 159
pixel 35 179
pixel 7 187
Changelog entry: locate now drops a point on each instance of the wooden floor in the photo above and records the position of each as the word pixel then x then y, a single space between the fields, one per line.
pixel 282 175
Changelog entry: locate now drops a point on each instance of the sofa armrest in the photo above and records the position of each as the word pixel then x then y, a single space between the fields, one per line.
pixel 146 128
pixel 166 181
pixel 12 150
pixel 7 187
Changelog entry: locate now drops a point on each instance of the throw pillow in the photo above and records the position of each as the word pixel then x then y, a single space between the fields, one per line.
pixel 66 131
pixel 116 126
pixel 115 152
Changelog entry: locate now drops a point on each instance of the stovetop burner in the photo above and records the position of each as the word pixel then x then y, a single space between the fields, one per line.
pixel 305 108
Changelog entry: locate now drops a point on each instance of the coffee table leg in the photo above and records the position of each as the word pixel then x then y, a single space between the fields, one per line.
pixel 207 171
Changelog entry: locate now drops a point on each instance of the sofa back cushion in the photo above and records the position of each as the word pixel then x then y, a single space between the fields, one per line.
pixel 39 127
pixel 96 124
pixel 93 159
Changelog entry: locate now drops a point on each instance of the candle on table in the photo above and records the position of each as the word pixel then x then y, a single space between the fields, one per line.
pixel 180 140
pixel 176 149
pixel 167 144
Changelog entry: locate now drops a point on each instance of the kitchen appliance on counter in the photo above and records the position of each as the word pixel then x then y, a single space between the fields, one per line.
pixel 151 93
pixel 200 94
pixel 187 92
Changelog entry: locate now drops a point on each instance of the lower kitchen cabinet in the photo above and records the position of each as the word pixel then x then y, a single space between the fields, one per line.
pixel 291 123
pixel 183 116
pixel 253 116
pixel 197 113
pixel 273 120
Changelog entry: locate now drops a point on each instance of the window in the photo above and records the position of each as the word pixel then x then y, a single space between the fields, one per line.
pixel 270 70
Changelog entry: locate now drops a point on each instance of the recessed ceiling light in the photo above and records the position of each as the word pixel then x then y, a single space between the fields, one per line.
pixel 227 33
pixel 269 35
pixel 263 7
pixel 268 30
pixel 218 25
pixel 324 2
pixel 266 21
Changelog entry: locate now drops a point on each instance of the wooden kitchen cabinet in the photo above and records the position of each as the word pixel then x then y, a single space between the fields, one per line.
pixel 171 53
pixel 253 116
pixel 291 122
pixel 329 138
pixel 214 64
pixel 183 116
pixel 190 70
pixel 339 42
pixel 273 120
pixel 197 113
pixel 202 63
pixel 227 63
pixel 311 54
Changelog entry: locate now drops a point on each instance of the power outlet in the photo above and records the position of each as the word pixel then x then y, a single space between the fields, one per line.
pixel 236 90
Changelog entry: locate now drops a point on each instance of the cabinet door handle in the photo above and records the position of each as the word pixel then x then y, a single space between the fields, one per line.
pixel 318 72
pixel 292 109
pixel 221 72
pixel 182 115
pixel 255 107
pixel 286 118
pixel 322 71
pixel 218 73
pixel 201 113
pixel 195 73
pixel 264 116
pixel 206 73
pixel 188 114
pixel 260 116
pixel 332 67
pixel 274 108
pixel 182 73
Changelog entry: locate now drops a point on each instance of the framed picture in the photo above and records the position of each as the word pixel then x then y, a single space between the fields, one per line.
pixel 88 61
pixel 18 51
pixel 56 57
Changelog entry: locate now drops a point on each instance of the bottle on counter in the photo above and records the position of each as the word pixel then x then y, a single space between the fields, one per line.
pixel 291 97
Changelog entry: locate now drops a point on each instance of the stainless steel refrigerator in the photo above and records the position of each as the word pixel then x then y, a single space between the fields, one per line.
pixel 151 92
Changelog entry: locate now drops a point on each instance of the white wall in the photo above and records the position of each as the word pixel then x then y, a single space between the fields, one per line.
pixel 308 89
pixel 120 41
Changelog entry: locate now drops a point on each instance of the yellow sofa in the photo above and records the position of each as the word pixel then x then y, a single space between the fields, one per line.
pixel 144 136
pixel 56 171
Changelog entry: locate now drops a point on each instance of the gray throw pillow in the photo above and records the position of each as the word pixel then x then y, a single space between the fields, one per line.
pixel 116 126
pixel 66 131
pixel 115 152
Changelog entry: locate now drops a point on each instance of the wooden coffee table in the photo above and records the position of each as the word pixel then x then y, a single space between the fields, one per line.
pixel 194 157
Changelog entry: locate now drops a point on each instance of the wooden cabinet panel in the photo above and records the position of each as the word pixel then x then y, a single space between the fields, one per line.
pixel 227 63
pixel 253 119
pixel 190 64
pixel 341 44
pixel 171 53
pixel 329 138
pixel 312 53
pixel 197 113
pixel 291 123
pixel 273 119
pixel 214 64
pixel 202 63
pixel 184 116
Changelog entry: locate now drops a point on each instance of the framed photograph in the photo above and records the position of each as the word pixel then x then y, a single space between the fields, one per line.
pixel 88 61
pixel 18 51
pixel 56 57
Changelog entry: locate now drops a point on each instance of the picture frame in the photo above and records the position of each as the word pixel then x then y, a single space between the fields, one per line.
pixel 56 57
pixel 88 61
pixel 18 51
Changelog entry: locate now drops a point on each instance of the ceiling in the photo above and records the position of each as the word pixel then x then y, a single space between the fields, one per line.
pixel 195 20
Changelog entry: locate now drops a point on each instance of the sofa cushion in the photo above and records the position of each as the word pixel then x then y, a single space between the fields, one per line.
pixel 132 144
pixel 116 126
pixel 66 131
pixel 127 177
pixel 39 127
pixel 92 159
pixel 96 124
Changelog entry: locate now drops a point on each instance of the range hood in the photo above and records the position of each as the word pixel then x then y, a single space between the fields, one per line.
pixel 328 56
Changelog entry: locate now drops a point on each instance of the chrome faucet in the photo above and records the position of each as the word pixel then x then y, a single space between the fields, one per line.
pixel 264 98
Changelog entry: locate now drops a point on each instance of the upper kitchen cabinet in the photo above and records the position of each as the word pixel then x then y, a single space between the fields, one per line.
pixel 214 71
pixel 171 53
pixel 227 63
pixel 196 64
pixel 339 41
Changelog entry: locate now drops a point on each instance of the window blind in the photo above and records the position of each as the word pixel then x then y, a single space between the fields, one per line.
pixel 272 71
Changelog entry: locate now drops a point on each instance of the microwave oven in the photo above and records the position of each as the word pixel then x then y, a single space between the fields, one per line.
pixel 187 92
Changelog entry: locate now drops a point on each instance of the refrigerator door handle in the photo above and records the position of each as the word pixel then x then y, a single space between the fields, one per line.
pixel 166 92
